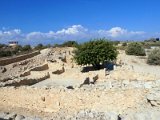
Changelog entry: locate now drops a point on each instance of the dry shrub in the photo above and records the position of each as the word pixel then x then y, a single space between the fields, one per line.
pixel 154 57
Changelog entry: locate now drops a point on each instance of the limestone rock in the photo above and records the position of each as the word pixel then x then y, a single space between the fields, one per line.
pixel 19 117
pixel 154 97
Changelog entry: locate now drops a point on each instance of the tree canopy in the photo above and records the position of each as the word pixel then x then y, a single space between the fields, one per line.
pixel 95 52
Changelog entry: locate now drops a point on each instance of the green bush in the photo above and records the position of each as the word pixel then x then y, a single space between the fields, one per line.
pixel 135 49
pixel 95 52
pixel 124 44
pixel 154 57
pixel 70 44
pixel 56 45
pixel 2 45
pixel 5 53
pixel 17 49
pixel 67 44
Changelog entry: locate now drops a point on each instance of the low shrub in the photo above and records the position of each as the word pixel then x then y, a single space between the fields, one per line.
pixel 5 53
pixel 135 49
pixel 124 44
pixel 154 57
pixel 70 44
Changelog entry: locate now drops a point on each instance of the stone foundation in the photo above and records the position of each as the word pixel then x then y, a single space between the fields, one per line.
pixel 10 60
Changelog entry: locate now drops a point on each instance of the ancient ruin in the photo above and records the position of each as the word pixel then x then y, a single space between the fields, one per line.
pixel 50 85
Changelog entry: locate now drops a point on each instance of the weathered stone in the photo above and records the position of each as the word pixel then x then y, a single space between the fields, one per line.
pixel 155 115
pixel 3 114
pixel 19 117
pixel 111 116
pixel 11 116
pixel 148 85
pixel 154 97
pixel 142 116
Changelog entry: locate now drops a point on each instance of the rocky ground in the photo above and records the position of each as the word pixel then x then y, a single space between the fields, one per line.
pixel 51 86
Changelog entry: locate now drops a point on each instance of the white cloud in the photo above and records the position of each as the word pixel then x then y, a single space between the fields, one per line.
pixel 11 34
pixel 75 32
pixel 69 33
pixel 118 32
pixel 36 36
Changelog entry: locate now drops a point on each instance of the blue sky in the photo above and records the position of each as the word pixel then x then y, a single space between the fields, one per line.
pixel 50 21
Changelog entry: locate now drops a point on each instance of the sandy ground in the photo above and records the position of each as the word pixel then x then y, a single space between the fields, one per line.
pixel 41 101
pixel 138 64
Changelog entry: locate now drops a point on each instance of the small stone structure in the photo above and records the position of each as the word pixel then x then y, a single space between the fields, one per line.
pixel 25 81
pixel 13 43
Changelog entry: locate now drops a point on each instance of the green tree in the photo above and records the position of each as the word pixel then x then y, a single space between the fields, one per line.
pixel 95 52
pixel 135 49
pixel 39 47
pixel 26 48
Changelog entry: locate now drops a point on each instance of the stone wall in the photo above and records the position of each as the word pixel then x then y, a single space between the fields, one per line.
pixel 127 84
pixel 25 81
pixel 40 68
pixel 10 60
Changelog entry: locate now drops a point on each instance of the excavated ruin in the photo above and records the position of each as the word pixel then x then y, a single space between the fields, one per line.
pixel 50 85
